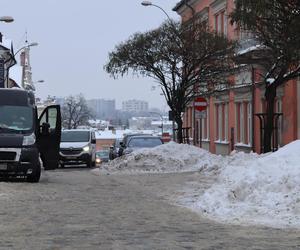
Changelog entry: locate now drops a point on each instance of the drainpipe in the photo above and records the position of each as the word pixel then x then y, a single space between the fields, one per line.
pixel 253 105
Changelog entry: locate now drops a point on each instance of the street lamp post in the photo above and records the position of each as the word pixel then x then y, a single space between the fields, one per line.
pixel 26 46
pixel 149 3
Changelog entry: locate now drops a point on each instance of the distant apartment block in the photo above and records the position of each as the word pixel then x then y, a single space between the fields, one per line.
pixel 135 106
pixel 103 109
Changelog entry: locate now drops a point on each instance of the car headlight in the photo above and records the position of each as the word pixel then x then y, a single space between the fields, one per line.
pixel 86 148
pixel 28 140
pixel 98 160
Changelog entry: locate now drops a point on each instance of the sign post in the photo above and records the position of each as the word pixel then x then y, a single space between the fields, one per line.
pixel 200 105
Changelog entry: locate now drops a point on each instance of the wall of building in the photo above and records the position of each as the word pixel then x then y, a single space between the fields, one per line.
pixel 104 143
pixel 289 109
pixel 135 106
pixel 242 103
pixel 102 108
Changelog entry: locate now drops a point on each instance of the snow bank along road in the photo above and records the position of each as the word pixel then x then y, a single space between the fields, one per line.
pixel 75 209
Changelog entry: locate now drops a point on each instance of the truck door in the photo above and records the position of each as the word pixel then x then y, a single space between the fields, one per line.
pixel 48 136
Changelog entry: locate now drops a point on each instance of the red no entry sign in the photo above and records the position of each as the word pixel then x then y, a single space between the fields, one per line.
pixel 200 104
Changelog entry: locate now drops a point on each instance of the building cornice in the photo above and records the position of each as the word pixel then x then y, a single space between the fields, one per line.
pixel 182 5
pixel 218 5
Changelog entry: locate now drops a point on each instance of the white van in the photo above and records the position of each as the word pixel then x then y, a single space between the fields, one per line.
pixel 77 146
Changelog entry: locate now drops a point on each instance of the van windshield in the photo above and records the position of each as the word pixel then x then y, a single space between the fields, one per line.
pixel 75 136
pixel 16 118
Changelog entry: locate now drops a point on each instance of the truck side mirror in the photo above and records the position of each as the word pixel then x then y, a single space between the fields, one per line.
pixel 93 141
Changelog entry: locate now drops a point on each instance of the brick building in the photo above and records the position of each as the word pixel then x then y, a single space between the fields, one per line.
pixel 231 121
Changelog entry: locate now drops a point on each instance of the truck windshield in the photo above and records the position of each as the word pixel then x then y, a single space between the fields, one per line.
pixel 16 118
pixel 75 136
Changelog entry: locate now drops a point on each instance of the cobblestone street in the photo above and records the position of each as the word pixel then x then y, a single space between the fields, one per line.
pixel 76 209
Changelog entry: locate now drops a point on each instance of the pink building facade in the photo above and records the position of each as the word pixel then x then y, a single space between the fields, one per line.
pixel 231 121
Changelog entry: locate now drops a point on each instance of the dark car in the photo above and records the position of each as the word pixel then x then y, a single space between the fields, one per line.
pixel 141 141
pixel 125 140
pixel 102 156
pixel 114 149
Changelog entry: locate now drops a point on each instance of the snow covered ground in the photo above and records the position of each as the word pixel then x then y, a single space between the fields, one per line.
pixel 264 190
pixel 167 158
pixel 250 188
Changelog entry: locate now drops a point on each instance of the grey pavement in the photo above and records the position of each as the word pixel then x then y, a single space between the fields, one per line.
pixel 75 209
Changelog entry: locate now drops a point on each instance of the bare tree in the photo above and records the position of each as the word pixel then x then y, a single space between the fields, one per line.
pixel 276 25
pixel 75 112
pixel 186 60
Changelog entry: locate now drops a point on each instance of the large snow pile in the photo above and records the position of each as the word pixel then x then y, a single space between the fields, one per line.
pixel 264 190
pixel 169 157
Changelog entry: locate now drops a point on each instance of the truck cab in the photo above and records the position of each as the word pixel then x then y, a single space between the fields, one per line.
pixel 27 142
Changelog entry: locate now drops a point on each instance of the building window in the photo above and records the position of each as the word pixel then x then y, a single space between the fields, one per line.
pixel 222 122
pixel 205 125
pixel 221 22
pixel 249 120
pixel 217 121
pixel 243 123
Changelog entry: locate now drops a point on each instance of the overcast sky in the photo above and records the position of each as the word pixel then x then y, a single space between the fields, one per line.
pixel 74 40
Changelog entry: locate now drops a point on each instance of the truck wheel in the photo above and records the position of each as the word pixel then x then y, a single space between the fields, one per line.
pixel 36 174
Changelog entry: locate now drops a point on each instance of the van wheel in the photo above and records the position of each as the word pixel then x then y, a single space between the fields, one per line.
pixel 36 174
pixel 89 163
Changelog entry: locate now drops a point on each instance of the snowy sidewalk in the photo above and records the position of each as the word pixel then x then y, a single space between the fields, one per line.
pixel 250 188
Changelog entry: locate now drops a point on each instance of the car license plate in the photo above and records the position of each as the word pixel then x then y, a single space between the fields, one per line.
pixel 3 166
pixel 71 157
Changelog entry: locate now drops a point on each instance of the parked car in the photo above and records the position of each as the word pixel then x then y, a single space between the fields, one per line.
pixel 102 156
pixel 78 146
pixel 125 140
pixel 114 149
pixel 142 141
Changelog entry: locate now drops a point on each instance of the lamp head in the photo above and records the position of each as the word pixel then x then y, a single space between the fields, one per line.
pixel 6 19
pixel 32 44
pixel 146 3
